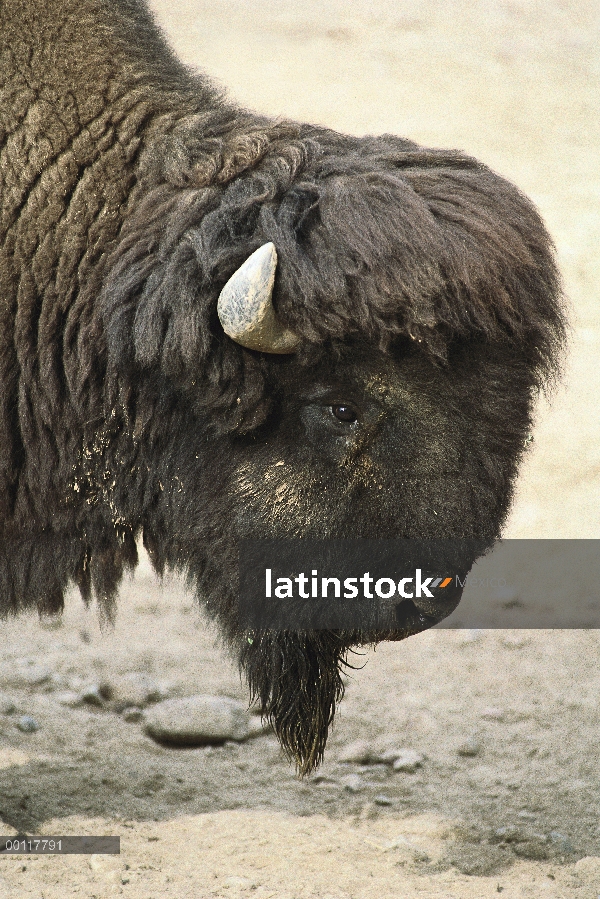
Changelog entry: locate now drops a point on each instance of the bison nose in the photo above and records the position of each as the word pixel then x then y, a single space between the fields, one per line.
pixel 425 613
pixel 408 615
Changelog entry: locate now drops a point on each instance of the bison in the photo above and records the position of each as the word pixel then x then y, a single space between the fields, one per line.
pixel 215 326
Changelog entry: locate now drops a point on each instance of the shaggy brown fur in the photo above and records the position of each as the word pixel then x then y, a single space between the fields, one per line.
pixel 423 285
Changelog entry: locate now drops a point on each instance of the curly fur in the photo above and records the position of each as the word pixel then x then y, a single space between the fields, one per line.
pixel 131 190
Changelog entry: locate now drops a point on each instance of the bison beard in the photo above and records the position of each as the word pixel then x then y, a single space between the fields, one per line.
pixel 296 678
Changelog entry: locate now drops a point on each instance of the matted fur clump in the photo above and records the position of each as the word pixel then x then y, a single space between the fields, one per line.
pixel 422 286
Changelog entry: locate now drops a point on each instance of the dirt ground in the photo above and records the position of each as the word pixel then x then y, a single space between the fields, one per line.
pixel 516 84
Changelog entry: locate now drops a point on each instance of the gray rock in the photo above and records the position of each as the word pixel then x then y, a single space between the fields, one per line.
pixel 7 705
pixel 69 698
pixel 198 720
pixel 493 714
pixel 381 799
pixel 136 688
pixel 36 675
pixel 389 756
pixel 560 843
pixel 30 674
pixel 408 761
pixel 353 783
pixel 92 695
pixel 359 753
pixel 27 724
pixel 470 747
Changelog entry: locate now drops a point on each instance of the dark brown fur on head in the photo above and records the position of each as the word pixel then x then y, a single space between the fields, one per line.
pixel 377 238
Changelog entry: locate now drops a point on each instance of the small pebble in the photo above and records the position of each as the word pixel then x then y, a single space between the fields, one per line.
pixel 383 800
pixel 34 675
pixel 68 698
pixel 389 756
pixel 560 842
pixel 27 724
pixel 471 747
pixel 358 753
pixel 352 783
pixel 493 714
pixel 92 695
pixel 136 688
pixel 7 705
pixel 408 761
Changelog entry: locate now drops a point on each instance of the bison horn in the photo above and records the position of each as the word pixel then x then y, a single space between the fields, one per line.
pixel 245 307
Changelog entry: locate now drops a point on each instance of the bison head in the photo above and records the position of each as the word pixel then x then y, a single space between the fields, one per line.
pixel 381 384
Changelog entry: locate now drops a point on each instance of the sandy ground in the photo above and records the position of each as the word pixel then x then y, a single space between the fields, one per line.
pixel 515 83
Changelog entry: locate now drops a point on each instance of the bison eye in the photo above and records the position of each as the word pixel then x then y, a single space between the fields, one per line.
pixel 344 412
